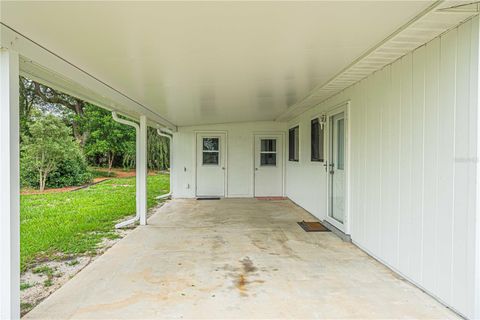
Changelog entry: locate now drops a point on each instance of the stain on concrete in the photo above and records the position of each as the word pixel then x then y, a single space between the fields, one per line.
pixel 122 303
pixel 242 276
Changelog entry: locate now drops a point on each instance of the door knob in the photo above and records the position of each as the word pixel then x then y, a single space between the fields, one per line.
pixel 256 169
pixel 223 168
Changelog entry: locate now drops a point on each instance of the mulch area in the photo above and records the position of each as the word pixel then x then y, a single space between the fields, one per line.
pixel 64 189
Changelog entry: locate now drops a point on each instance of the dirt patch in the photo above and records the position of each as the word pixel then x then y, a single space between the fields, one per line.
pixel 122 173
pixel 64 189
pixel 118 173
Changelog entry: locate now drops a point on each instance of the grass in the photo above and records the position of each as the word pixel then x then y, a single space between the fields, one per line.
pixel 25 286
pixel 46 270
pixel 59 225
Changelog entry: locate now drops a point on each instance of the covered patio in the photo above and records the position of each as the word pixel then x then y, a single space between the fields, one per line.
pixel 365 114
pixel 236 258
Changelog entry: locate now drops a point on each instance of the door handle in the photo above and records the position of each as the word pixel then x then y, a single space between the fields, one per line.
pixel 332 165
pixel 223 168
pixel 256 169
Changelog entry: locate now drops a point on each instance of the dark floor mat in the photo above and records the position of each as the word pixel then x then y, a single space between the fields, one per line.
pixel 208 198
pixel 312 226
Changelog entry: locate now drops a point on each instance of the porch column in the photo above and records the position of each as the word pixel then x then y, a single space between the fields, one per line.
pixel 9 186
pixel 142 171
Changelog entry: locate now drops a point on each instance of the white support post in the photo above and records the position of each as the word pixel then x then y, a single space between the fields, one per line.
pixel 9 186
pixel 142 171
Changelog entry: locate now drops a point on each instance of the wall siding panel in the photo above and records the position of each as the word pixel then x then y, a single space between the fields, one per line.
pixel 413 142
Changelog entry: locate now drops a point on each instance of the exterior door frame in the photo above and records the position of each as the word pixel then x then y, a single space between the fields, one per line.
pixel 284 156
pixel 345 108
pixel 195 152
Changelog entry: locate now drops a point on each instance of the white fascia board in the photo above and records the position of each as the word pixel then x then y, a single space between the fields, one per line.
pixel 45 66
pixel 424 27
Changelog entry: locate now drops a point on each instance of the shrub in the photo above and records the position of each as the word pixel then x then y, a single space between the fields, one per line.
pixel 50 156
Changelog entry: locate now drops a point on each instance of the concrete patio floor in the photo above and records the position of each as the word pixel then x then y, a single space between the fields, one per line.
pixel 235 258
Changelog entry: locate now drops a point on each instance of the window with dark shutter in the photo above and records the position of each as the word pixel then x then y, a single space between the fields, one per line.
pixel 293 144
pixel 316 134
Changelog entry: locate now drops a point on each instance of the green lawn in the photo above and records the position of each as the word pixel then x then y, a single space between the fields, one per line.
pixel 59 224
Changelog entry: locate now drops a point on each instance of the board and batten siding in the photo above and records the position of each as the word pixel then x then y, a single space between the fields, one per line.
pixel 413 151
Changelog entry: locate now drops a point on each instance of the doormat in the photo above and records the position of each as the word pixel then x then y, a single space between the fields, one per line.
pixel 313 226
pixel 271 198
pixel 208 198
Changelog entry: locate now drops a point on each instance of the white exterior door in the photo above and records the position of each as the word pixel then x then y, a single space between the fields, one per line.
pixel 337 169
pixel 211 163
pixel 268 173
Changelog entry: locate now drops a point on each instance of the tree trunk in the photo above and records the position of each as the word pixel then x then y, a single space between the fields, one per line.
pixel 43 179
pixel 110 156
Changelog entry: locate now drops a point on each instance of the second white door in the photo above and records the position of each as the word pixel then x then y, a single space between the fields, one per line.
pixel 211 165
pixel 268 166
pixel 337 141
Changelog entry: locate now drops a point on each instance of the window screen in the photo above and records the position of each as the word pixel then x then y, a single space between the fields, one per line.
pixel 211 151
pixel 293 144
pixel 268 152
pixel 316 141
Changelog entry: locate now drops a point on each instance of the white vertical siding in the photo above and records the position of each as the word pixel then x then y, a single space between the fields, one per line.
pixel 239 166
pixel 413 146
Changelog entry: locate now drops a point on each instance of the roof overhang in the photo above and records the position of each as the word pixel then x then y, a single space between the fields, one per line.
pixel 427 25
pixel 41 63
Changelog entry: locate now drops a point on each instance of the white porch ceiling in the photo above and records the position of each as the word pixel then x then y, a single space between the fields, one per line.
pixel 212 62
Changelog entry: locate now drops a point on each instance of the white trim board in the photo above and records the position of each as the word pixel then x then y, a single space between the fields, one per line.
pixel 427 25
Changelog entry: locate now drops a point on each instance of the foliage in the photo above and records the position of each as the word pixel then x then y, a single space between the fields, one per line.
pixel 108 138
pixel 72 171
pixel 49 100
pixel 59 224
pixel 103 141
pixel 48 148
pixel 158 151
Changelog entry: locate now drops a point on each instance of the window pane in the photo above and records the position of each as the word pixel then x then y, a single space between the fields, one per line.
pixel 291 139
pixel 269 145
pixel 297 146
pixel 268 159
pixel 341 144
pixel 315 140
pixel 210 157
pixel 293 146
pixel 210 144
pixel 321 141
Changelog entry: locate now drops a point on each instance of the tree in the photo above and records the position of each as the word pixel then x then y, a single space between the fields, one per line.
pixel 49 143
pixel 107 137
pixel 158 150
pixel 34 93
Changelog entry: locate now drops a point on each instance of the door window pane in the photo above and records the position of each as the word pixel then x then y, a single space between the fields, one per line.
pixel 210 144
pixel 210 158
pixel 269 145
pixel 268 159
pixel 341 144
pixel 210 154
pixel 268 152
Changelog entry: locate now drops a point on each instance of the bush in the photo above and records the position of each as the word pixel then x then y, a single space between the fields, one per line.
pixel 72 171
pixel 50 157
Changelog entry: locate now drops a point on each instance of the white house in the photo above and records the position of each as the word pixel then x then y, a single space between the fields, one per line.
pixel 363 113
